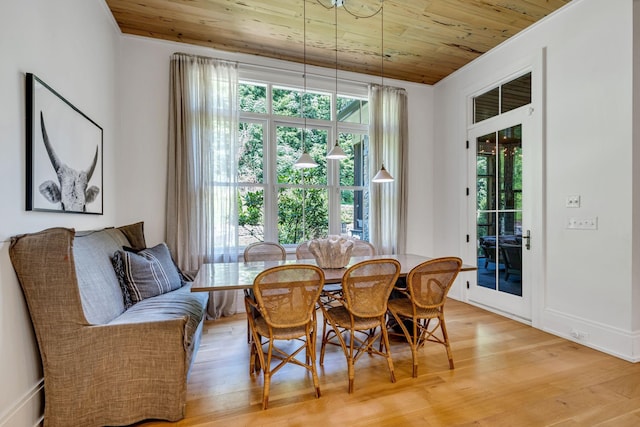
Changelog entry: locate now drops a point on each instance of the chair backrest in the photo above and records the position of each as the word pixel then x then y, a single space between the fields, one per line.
pixel 265 251
pixel 362 248
pixel 430 281
pixel 366 286
pixel 287 294
pixel 303 252
pixel 512 255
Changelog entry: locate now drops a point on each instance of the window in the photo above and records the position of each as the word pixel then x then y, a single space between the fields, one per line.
pixel 506 97
pixel 278 202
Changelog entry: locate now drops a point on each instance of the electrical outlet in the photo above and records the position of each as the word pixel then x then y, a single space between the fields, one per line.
pixel 579 335
pixel 582 223
pixel 573 201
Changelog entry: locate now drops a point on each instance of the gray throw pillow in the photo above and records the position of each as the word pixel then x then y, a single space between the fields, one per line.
pixel 147 273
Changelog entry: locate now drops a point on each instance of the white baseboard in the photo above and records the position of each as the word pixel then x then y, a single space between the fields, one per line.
pixel 28 411
pixel 500 312
pixel 605 338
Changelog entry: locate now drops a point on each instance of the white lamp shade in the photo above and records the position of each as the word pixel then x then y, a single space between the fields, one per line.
pixel 382 176
pixel 337 153
pixel 305 161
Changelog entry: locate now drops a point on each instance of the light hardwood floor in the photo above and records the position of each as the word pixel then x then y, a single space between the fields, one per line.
pixel 506 374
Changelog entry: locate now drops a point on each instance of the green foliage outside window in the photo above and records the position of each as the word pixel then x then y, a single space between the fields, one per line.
pixel 302 209
pixel 253 98
pixel 293 226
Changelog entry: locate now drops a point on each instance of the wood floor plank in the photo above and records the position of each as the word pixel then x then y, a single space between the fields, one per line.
pixel 506 374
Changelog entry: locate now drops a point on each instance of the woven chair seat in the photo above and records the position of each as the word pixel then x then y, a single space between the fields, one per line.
pixel 340 315
pixel 404 307
pixel 279 333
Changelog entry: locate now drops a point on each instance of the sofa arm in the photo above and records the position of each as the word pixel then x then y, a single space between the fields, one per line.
pixel 118 374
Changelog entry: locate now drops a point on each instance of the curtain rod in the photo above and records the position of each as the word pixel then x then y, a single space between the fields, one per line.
pixel 193 55
pixel 273 68
pixel 288 70
pixel 276 68
pixel 322 76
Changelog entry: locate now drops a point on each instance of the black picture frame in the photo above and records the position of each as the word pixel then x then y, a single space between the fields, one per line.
pixel 64 154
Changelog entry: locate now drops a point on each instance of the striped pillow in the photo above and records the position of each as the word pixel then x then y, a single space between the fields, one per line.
pixel 148 273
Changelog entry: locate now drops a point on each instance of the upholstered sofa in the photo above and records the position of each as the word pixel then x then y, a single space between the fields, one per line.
pixel 104 363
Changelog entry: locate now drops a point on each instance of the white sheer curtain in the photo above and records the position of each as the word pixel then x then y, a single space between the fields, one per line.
pixel 202 199
pixel 388 135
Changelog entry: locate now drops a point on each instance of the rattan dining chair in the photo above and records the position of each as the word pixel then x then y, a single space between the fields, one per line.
pixel 262 251
pixel 265 251
pixel 285 299
pixel 362 248
pixel 303 252
pixel 358 313
pixel 423 300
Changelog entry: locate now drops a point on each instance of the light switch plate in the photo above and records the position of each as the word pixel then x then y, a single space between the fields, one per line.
pixel 582 223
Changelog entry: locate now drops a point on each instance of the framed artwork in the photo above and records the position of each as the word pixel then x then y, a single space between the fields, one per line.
pixel 64 154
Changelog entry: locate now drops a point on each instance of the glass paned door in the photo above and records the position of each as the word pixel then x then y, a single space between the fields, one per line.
pixel 497 154
pixel 499 210
pixel 506 188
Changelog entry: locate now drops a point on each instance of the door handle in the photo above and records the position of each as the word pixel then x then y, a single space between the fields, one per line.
pixel 527 238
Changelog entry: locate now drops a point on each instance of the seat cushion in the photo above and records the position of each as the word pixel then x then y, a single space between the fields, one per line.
pixel 172 305
pixel 341 318
pixel 279 333
pixel 403 307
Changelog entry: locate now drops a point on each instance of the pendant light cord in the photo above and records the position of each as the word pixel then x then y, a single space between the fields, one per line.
pixel 336 29
pixel 304 74
pixel 382 41
pixel 305 160
pixel 304 116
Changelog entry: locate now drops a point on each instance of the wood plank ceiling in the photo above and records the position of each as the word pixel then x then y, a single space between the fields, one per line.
pixel 423 40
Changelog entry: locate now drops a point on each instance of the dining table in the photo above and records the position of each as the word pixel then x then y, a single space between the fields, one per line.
pixel 225 276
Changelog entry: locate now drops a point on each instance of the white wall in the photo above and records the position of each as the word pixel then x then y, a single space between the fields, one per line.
pixel 122 83
pixel 144 111
pixel 72 45
pixel 422 179
pixel 589 147
pixel 635 260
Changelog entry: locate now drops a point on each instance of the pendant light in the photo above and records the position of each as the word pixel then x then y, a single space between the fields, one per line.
pixel 305 161
pixel 336 152
pixel 383 175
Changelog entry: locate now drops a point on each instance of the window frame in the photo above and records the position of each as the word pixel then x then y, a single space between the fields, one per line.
pixel 499 90
pixel 271 122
